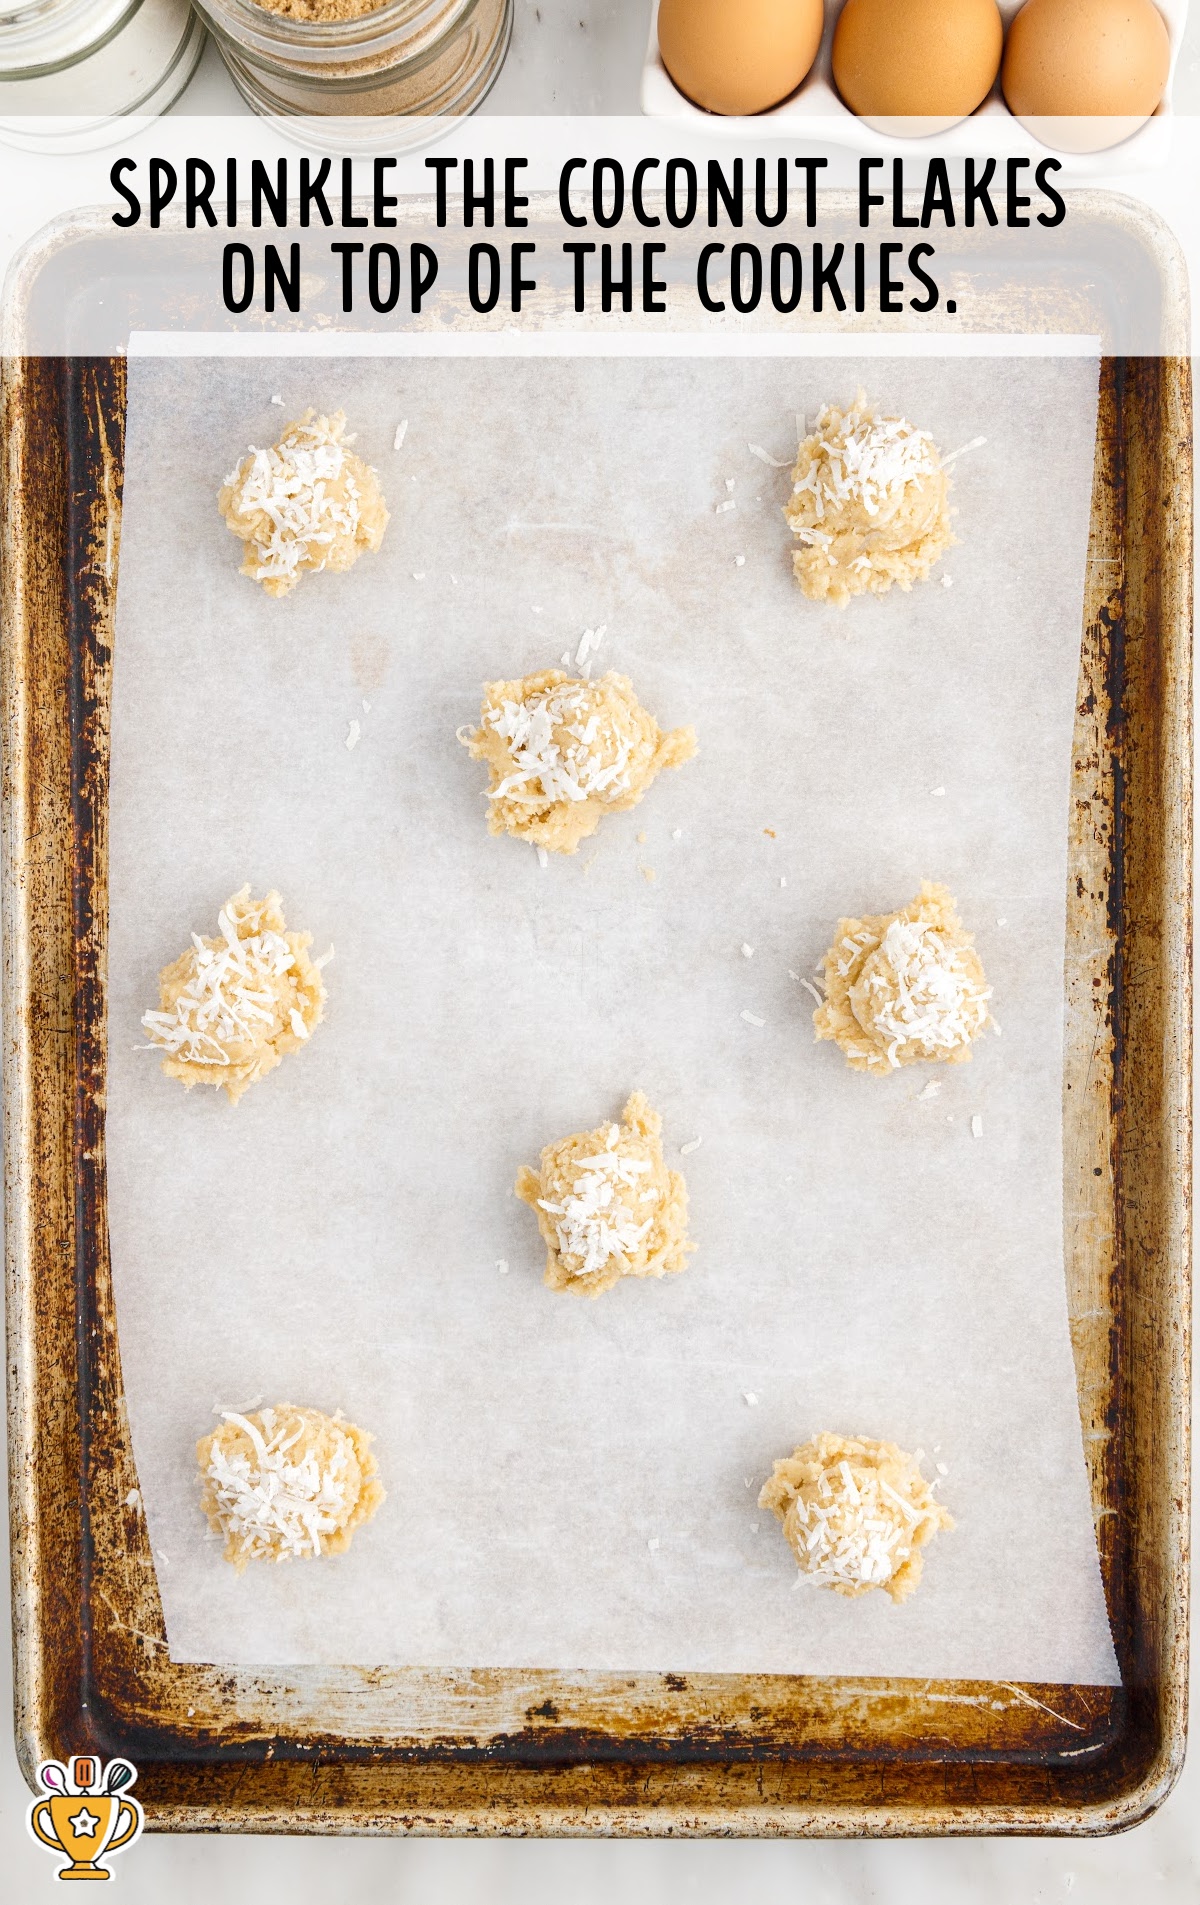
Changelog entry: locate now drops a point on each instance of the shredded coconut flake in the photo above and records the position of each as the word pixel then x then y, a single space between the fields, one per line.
pixel 752 1018
pixel 976 443
pixel 937 1003
pixel 693 1144
pixel 589 642
pixel 977 1126
pixel 290 483
pixel 597 1220
pixel 353 735
pixel 764 456
pixel 228 999
pixel 872 463
pixel 401 432
pixel 553 738
pixel 850 1533
pixel 269 1502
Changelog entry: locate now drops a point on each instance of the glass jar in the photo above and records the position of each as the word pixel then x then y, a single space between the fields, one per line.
pixel 90 62
pixel 417 57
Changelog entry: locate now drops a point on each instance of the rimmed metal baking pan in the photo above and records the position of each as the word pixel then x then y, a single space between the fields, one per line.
pixel 370 1749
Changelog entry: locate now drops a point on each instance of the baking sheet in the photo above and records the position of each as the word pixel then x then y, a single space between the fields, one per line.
pixel 572 1484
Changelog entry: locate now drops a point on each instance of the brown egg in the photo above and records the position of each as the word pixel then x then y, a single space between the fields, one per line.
pixel 739 56
pixel 1100 60
pixel 932 60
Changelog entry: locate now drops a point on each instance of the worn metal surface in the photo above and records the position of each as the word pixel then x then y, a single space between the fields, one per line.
pixel 395 1750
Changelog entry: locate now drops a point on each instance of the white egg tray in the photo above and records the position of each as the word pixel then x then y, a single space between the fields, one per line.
pixel 815 112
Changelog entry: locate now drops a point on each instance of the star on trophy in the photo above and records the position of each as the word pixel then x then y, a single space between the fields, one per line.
pixel 86 1814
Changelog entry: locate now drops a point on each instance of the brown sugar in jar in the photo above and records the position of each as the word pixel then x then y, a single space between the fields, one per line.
pixel 353 58
pixel 321 9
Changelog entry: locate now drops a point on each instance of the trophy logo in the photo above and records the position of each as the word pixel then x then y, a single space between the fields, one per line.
pixel 88 1814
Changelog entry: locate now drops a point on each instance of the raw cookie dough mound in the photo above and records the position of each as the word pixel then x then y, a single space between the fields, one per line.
pixel 607 1206
pixel 286 1481
pixel 856 1514
pixel 232 1006
pixel 900 987
pixel 869 503
pixel 307 503
pixel 562 753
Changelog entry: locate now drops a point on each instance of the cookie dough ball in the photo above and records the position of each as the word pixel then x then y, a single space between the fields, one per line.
pixel 561 753
pixel 607 1206
pixel 869 505
pixel 901 987
pixel 307 503
pixel 286 1481
pixel 856 1514
pixel 232 1006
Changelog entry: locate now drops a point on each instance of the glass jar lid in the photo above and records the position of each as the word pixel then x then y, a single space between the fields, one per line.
pixel 42 36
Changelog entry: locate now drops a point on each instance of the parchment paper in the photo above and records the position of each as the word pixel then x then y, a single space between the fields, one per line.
pixel 573 1484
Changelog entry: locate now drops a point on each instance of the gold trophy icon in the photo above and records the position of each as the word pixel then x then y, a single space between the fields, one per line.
pixel 87 1814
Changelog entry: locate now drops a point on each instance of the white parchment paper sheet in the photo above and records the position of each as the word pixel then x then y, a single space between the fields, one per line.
pixel 573 1484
